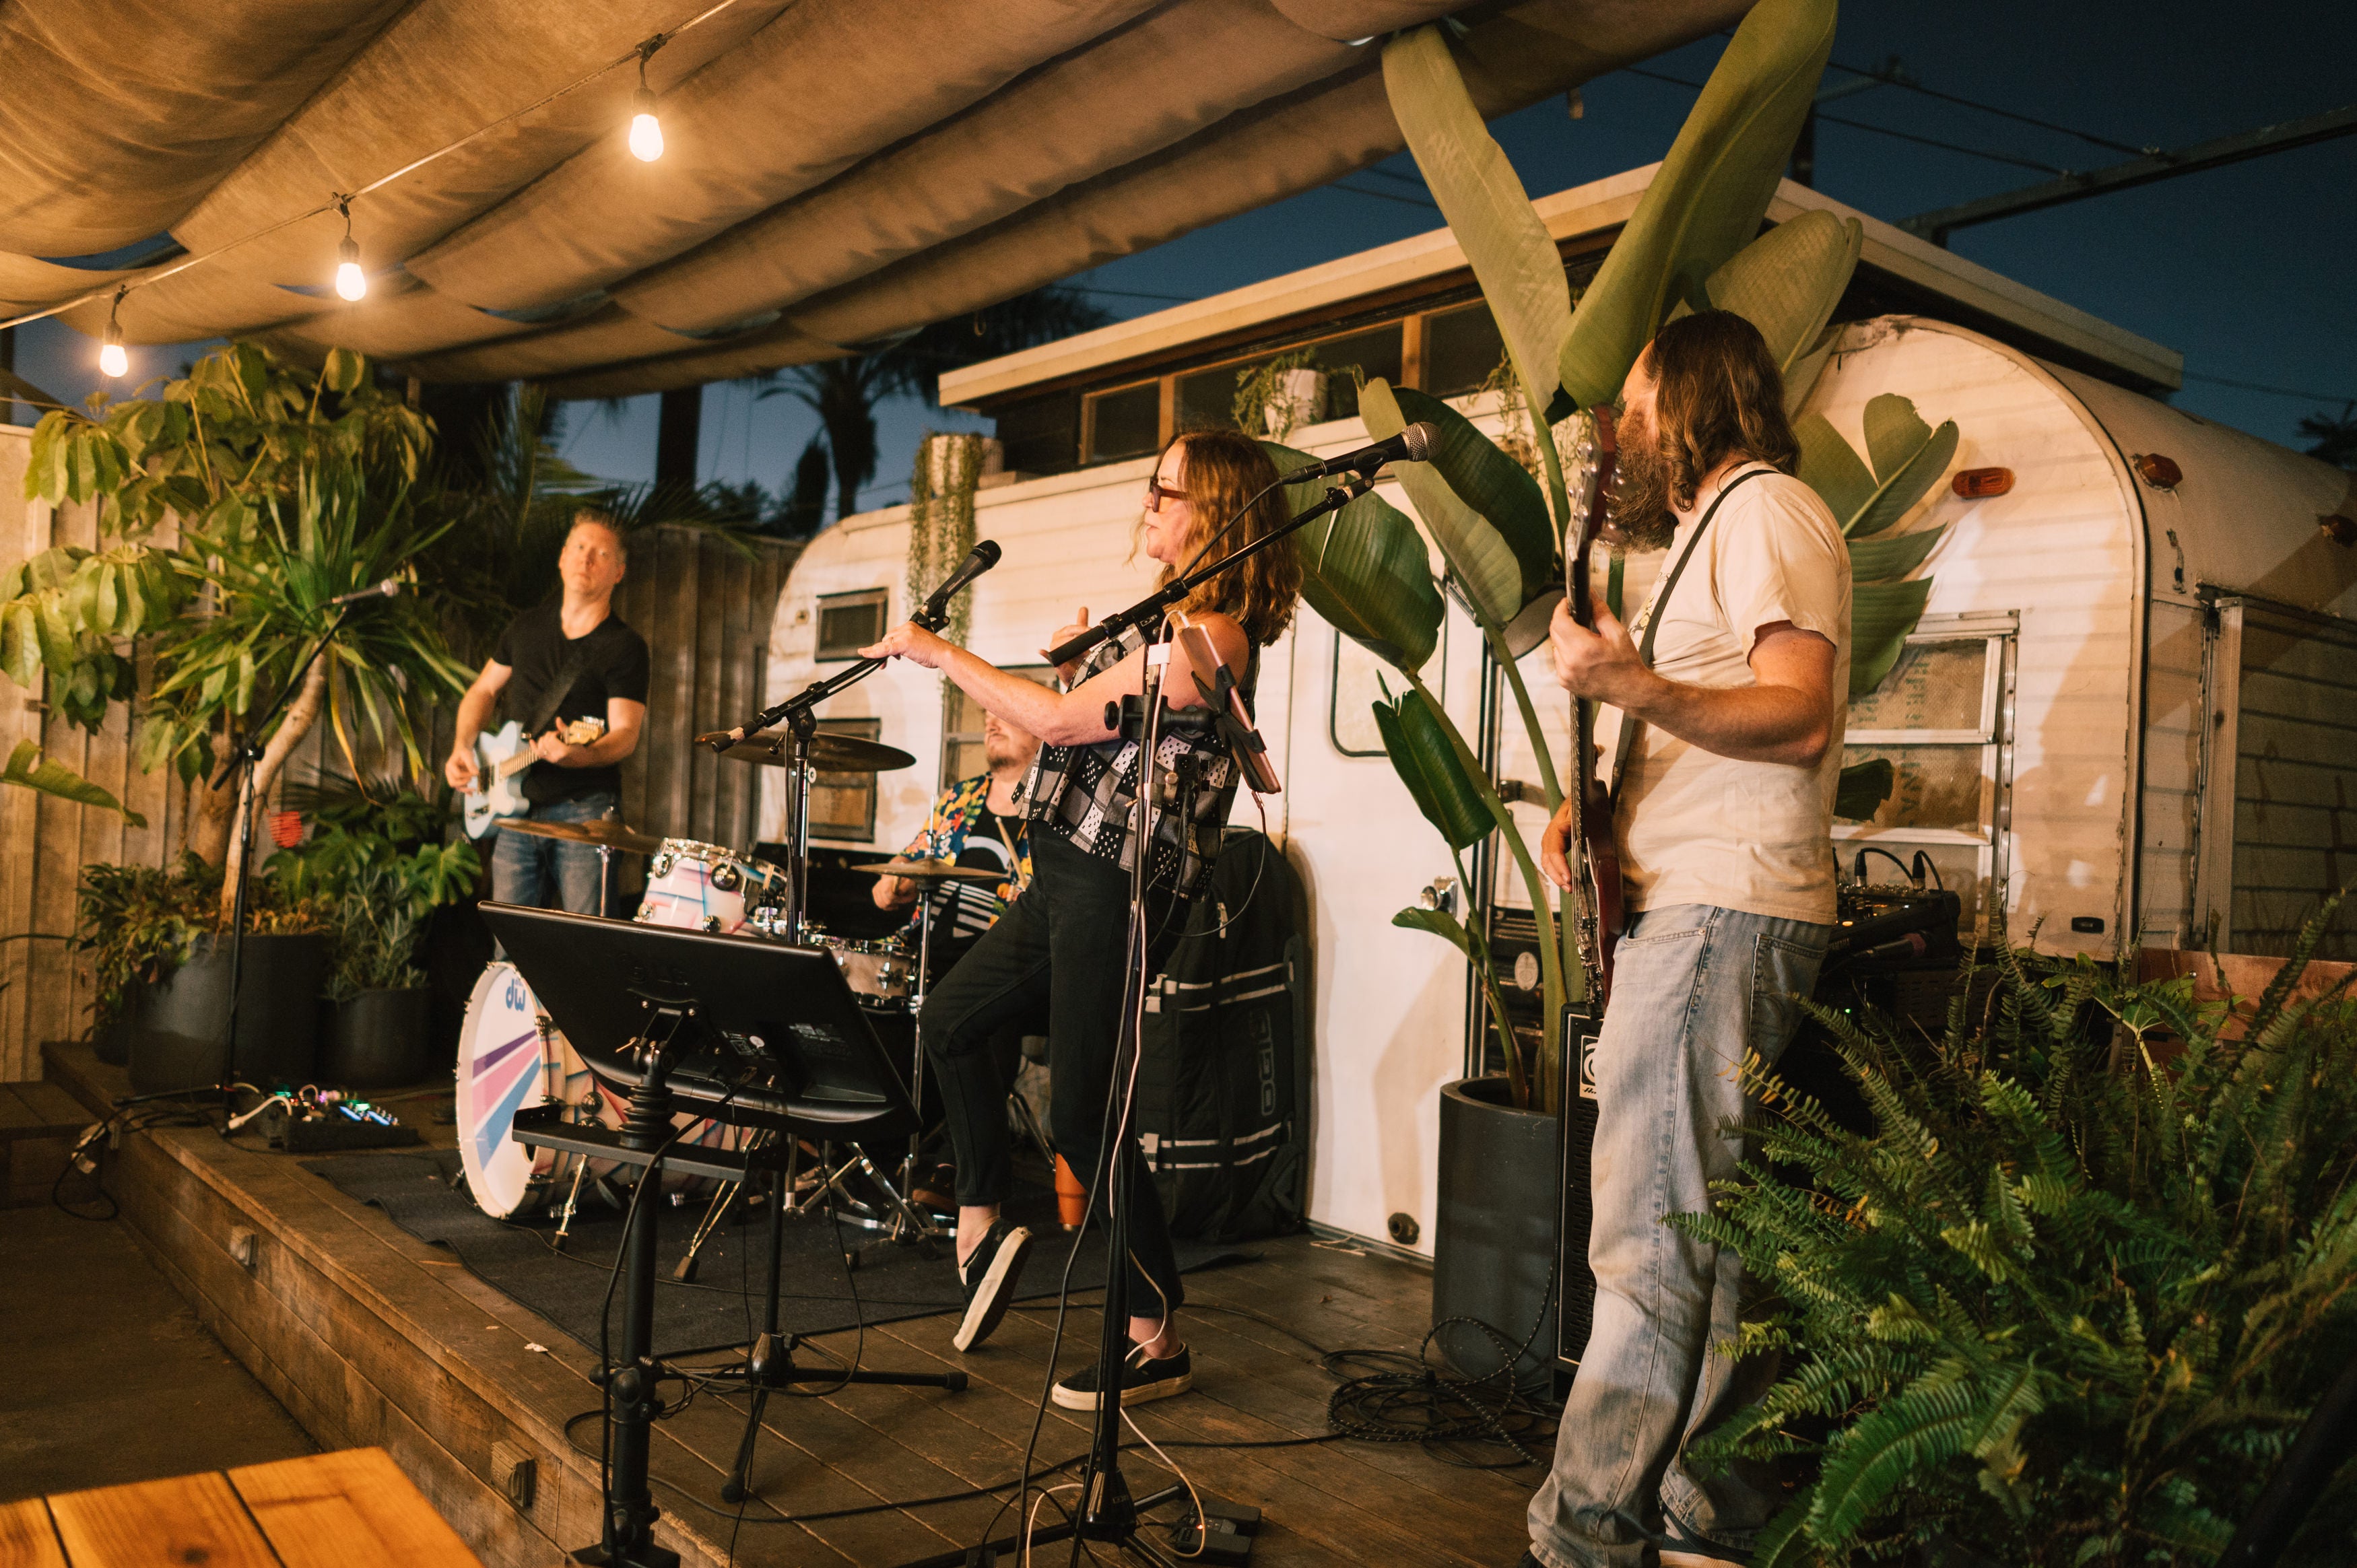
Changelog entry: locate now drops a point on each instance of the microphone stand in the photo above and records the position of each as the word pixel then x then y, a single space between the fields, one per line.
pixel 246 755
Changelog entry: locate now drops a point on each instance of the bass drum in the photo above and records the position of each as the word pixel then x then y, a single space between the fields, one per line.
pixel 704 887
pixel 511 1058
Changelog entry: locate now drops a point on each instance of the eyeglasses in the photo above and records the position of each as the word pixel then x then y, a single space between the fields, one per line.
pixel 1157 491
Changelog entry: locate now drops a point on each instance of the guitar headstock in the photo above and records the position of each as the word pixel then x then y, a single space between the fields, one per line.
pixel 1591 518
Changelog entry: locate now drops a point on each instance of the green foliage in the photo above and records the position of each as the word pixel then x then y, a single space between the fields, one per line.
pixel 1495 486
pixel 1365 569
pixel 940 521
pixel 1425 758
pixel 2067 1302
pixel 141 922
pixel 1905 457
pixel 1707 202
pixel 28 770
pixel 1481 564
pixel 1261 390
pixel 1863 787
pixel 1786 283
pixel 377 871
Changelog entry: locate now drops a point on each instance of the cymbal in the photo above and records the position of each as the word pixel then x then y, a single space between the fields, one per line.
pixel 828 753
pixel 933 870
pixel 600 833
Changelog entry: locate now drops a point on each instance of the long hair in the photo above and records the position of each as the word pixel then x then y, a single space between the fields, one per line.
pixel 1222 469
pixel 1719 395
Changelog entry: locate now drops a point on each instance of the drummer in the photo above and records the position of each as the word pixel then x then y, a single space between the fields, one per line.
pixel 976 822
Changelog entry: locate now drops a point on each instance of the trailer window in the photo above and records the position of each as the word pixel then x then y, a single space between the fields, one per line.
pixel 961 726
pixel 849 622
pixel 1938 719
pixel 843 805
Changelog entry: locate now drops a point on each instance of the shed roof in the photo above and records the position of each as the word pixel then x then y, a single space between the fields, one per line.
pixel 1978 297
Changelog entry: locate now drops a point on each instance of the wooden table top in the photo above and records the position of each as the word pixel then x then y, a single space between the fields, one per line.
pixel 347 1509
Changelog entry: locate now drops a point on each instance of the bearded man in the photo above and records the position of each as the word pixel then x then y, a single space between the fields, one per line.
pixel 1731 688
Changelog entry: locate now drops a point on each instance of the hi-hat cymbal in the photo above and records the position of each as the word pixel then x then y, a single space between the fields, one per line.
pixel 933 870
pixel 828 753
pixel 600 833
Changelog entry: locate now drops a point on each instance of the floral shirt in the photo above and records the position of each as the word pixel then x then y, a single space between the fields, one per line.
pixel 960 829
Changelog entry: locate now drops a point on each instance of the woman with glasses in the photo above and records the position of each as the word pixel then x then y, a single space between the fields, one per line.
pixel 1060 952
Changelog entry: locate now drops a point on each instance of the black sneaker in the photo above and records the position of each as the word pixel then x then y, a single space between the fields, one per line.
pixel 1684 1550
pixel 989 1277
pixel 1142 1379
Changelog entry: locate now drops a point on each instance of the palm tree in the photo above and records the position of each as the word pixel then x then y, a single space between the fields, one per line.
pixel 844 392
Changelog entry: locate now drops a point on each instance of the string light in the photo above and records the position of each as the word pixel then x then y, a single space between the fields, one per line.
pixel 113 361
pixel 350 281
pixel 646 130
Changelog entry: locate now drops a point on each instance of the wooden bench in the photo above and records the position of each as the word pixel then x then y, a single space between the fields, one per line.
pixel 39 1124
pixel 347 1509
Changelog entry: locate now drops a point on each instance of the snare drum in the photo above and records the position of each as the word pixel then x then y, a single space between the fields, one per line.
pixel 511 1058
pixel 878 972
pixel 704 887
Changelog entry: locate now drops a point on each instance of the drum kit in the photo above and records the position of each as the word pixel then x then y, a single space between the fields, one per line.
pixel 512 1059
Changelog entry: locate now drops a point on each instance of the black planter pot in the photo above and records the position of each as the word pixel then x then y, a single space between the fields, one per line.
pixel 1493 1237
pixel 379 1040
pixel 175 1027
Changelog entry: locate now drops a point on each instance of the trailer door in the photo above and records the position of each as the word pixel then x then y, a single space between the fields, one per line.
pixel 2278 827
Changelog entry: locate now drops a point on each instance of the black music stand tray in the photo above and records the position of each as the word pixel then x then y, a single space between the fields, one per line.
pixel 754 1033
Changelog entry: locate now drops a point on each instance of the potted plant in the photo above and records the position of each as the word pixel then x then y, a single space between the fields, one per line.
pixel 1694 240
pixel 378 870
pixel 1280 394
pixel 161 963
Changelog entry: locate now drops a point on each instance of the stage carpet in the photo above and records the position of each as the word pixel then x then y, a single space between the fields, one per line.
pixel 817 1293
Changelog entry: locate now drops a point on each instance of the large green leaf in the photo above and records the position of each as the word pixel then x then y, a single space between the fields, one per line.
pixel 1707 201
pixel 1830 466
pixel 1512 256
pixel 1480 560
pixel 1881 559
pixel 1426 761
pixel 27 770
pixel 1366 570
pixel 1440 923
pixel 1908 457
pixel 1801 377
pixel 1787 282
pixel 1494 484
pixel 1880 617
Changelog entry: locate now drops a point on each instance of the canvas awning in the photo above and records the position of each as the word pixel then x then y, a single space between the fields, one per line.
pixel 836 171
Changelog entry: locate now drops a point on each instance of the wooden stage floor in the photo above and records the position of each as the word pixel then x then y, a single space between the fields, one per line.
pixel 371 1337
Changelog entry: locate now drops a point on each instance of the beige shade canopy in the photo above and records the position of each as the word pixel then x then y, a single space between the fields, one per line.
pixel 835 171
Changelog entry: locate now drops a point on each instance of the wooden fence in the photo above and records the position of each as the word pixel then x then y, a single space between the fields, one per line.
pixel 703 603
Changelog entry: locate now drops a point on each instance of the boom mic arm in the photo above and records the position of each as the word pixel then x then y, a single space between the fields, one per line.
pixel 1412 445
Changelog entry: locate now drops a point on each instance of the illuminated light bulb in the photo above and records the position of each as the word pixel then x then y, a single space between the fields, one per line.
pixel 350 281
pixel 646 130
pixel 112 359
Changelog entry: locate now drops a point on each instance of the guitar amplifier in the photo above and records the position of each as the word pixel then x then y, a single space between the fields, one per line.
pixel 1575 1284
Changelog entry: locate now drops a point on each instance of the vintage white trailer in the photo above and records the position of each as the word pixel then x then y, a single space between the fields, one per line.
pixel 2125 717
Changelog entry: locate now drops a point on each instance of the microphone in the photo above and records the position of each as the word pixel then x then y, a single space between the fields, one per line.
pixel 1414 443
pixel 936 606
pixel 392 587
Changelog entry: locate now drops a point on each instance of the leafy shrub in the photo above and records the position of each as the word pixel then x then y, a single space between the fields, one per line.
pixel 378 870
pixel 141 922
pixel 2069 1302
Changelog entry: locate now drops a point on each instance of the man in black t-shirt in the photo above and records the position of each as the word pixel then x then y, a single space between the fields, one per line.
pixel 579 644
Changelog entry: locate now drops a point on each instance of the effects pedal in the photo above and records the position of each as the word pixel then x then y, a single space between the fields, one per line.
pixel 1225 1534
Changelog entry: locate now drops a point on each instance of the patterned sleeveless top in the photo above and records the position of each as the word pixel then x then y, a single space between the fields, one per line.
pixel 1088 794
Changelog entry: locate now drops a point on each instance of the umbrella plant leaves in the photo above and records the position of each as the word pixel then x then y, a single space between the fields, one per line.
pixel 1787 282
pixel 1830 466
pixel 1881 559
pixel 1880 617
pixel 1366 570
pixel 1492 484
pixel 1707 201
pixel 1512 254
pixel 1479 558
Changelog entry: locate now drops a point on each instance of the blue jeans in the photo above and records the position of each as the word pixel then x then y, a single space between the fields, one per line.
pixel 1695 987
pixel 526 870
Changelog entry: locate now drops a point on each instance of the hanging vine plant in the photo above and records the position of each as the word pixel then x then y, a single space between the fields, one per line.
pixel 940 520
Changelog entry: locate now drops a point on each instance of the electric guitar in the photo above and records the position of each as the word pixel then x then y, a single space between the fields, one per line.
pixel 1595 857
pixel 500 758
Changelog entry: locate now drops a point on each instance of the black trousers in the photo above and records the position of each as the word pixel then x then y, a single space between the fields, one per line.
pixel 1058 949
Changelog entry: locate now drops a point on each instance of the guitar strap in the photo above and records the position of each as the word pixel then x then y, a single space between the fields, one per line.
pixel 560 686
pixel 1625 736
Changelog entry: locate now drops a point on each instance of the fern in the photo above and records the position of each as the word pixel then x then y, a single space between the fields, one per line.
pixel 2066 1304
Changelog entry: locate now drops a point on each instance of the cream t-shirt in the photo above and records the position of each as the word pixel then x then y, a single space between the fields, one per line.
pixel 1697 828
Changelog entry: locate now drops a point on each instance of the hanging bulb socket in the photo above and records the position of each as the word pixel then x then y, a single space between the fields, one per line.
pixel 113 361
pixel 646 130
pixel 351 284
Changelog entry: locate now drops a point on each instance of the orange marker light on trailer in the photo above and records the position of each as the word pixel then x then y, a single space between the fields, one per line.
pixel 1979 484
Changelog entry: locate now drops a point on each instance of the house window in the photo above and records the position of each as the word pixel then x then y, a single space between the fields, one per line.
pixel 1938 718
pixel 849 622
pixel 1126 422
pixel 843 805
pixel 1207 398
pixel 1460 349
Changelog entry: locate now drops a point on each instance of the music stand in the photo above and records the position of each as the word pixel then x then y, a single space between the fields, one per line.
pixel 743 1030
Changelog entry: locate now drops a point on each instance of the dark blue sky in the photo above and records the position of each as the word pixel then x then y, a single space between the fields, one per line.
pixel 2248 270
